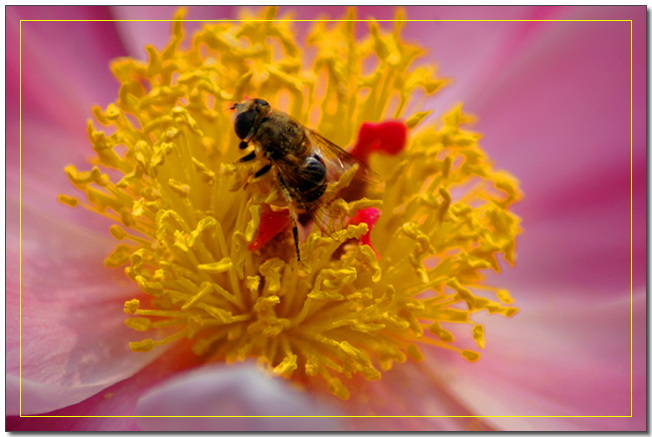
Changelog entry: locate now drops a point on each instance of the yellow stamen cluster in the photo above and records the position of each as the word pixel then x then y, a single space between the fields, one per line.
pixel 167 182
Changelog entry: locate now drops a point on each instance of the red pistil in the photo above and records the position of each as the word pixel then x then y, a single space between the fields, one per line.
pixel 387 137
pixel 271 223
pixel 369 216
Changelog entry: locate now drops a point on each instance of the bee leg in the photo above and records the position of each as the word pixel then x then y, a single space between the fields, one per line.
pixel 293 215
pixel 248 157
pixel 262 171
pixel 295 234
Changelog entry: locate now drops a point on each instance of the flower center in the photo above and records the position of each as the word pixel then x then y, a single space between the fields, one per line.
pixel 211 252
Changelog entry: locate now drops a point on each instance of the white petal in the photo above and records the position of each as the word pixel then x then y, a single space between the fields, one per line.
pixel 240 390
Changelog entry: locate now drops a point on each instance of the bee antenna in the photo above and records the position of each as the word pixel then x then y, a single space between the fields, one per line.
pixel 232 107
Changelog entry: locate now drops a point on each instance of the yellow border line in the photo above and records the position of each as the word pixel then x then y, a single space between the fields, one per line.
pixel 366 20
pixel 359 417
pixel 20 219
pixel 631 216
pixel 631 219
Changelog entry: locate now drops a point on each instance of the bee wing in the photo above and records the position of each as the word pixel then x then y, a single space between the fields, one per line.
pixel 339 161
pixel 341 167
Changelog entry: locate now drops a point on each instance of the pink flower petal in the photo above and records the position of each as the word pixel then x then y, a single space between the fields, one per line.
pixel 117 400
pixel 74 340
pixel 557 115
pixel 579 239
pixel 241 390
pixel 46 151
pixel 138 34
pixel 479 46
pixel 63 72
pixel 409 389
pixel 566 358
pixel 548 136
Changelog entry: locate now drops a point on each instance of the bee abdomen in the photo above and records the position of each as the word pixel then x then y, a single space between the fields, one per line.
pixel 313 173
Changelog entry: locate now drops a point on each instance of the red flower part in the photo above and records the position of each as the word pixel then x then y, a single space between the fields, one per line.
pixel 369 216
pixel 387 137
pixel 271 223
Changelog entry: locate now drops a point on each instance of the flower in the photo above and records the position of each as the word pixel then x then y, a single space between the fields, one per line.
pixel 154 372
pixel 347 309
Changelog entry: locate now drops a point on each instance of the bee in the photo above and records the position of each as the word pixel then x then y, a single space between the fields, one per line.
pixel 310 171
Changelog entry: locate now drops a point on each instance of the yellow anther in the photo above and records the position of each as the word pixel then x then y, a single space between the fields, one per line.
pixel 263 303
pixel 139 323
pixel 445 204
pixel 287 366
pixel 271 271
pixel 470 355
pixel 330 280
pixel 85 177
pixel 369 258
pixel 138 208
pixel 142 346
pixel 254 223
pixel 154 288
pixel 351 232
pixel 131 306
pixel 119 256
pixel 126 218
pixel 412 230
pixel 118 232
pixel 207 175
pixel 223 265
pixel 112 112
pixel 253 282
pixel 442 333
pixel 68 200
pixel 478 335
pixel 417 118
pixel 414 353
pixel 182 190
pixel 336 387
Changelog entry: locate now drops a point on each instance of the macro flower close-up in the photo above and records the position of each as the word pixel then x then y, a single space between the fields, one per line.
pixel 326 218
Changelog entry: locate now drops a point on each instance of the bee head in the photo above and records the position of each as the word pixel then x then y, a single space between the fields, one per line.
pixel 247 117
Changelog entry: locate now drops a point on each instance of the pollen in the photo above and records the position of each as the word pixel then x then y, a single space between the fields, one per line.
pixel 211 249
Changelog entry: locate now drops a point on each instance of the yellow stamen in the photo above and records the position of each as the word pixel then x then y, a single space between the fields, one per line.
pixel 187 215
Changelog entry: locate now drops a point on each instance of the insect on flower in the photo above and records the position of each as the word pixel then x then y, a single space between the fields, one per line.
pixel 311 172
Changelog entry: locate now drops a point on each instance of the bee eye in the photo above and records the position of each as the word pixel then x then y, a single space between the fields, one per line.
pixel 244 122
pixel 261 102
